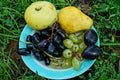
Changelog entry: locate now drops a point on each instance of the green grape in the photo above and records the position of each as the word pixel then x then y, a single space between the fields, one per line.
pixel 79 33
pixel 73 38
pixel 75 48
pixel 54 65
pixel 80 38
pixel 67 53
pixel 75 63
pixel 67 63
pixel 67 43
pixel 82 47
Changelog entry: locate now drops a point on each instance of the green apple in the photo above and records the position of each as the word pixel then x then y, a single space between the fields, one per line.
pixel 40 15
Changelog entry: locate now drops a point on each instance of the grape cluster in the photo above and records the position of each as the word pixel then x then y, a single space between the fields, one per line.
pixel 59 49
pixel 45 44
pixel 73 48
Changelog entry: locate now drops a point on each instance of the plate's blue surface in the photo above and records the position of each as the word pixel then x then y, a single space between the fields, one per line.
pixel 50 73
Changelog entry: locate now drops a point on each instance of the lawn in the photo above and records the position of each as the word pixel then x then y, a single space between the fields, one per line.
pixel 106 16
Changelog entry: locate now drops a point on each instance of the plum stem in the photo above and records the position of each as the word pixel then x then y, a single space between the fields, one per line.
pixel 52 34
pixel 51 55
pixel 25 42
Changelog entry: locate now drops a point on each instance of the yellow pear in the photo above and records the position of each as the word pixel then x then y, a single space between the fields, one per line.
pixel 72 20
pixel 40 15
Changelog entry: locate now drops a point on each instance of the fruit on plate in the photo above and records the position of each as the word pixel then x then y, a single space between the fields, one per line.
pixel 60 50
pixel 64 44
pixel 40 15
pixel 90 37
pixel 75 63
pixel 91 52
pixel 72 20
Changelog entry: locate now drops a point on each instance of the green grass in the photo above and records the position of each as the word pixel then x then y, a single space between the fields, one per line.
pixel 106 16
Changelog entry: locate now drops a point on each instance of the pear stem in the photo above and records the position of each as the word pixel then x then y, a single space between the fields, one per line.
pixel 38 8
